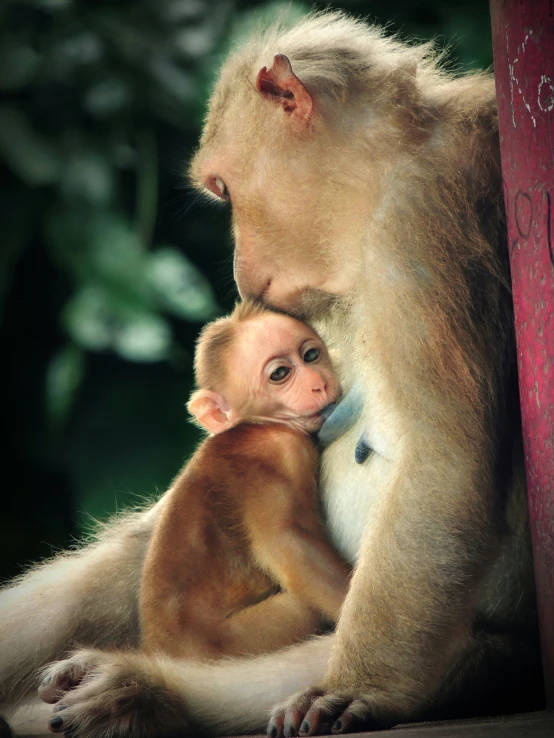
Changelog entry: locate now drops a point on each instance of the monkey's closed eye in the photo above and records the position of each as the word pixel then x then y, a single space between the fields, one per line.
pixel 218 187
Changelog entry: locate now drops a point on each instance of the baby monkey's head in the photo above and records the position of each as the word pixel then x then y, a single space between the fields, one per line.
pixel 257 365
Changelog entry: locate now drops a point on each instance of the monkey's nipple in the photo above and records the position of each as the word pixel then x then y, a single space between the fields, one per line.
pixel 326 412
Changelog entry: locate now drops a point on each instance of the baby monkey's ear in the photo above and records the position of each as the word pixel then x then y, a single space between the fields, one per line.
pixel 211 410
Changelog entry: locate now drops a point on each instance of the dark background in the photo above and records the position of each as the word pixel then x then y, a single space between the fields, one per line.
pixel 109 263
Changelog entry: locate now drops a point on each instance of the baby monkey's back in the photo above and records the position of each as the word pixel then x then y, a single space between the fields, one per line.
pixel 239 563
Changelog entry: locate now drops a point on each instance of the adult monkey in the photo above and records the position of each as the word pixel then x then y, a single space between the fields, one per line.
pixel 366 194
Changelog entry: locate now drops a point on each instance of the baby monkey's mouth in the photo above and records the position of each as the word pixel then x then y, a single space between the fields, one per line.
pixel 327 410
pixel 320 417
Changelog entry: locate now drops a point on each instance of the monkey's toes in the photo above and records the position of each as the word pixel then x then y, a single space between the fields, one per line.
pixel 119 698
pixel 314 713
pixel 61 676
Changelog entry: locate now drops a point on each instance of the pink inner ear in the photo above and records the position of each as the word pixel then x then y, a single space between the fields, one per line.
pixel 267 85
pixel 283 87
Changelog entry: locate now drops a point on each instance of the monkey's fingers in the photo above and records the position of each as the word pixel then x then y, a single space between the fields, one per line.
pixel 322 714
pixel 61 676
pixel 357 716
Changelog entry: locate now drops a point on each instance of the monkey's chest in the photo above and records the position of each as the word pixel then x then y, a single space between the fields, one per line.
pixel 352 485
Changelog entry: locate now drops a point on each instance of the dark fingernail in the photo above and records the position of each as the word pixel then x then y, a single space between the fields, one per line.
pixel 304 728
pixel 56 723
pixel 337 725
pixel 273 732
pixel 290 732
pixel 46 681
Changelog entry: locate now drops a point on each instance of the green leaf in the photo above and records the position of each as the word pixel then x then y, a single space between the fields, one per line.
pixel 143 337
pixel 98 245
pixel 63 378
pixel 97 320
pixel 18 65
pixel 29 154
pixel 179 287
pixel 87 176
pixel 117 257
pixel 172 81
pixel 108 97
pixel 89 319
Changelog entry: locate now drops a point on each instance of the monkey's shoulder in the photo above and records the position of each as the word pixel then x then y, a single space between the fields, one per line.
pixel 268 443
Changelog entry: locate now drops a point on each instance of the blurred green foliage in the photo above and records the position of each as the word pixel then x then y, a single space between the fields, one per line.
pixel 108 263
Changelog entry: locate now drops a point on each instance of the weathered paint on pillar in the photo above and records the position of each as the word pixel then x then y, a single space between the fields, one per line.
pixel 523 43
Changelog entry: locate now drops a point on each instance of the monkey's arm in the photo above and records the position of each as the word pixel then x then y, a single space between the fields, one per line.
pixel 409 610
pixel 287 536
pixel 305 565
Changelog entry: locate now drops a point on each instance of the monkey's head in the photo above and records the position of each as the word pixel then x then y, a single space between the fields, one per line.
pixel 299 144
pixel 260 366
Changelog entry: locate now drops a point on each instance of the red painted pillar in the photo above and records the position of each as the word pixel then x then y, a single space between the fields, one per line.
pixel 523 44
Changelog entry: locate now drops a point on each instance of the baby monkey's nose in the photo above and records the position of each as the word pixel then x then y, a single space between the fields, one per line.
pixel 318 383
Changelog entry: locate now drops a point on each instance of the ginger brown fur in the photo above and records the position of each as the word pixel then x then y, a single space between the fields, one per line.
pixel 238 563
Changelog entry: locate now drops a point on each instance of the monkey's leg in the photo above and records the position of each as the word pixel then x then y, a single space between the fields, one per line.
pixel 305 564
pixel 130 694
pixel 273 623
pixel 85 597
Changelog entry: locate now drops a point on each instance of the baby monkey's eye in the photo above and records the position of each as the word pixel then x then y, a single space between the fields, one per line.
pixel 311 355
pixel 277 375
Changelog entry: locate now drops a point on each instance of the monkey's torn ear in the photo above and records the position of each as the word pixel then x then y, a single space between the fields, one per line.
pixel 282 86
pixel 211 410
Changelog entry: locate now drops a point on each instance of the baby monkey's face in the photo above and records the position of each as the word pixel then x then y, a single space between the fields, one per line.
pixel 280 370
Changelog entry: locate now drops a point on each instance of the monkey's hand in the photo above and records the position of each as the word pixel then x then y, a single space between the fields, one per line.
pixel 315 713
pixel 112 693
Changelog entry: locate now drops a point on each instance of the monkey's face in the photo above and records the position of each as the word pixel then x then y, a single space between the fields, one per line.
pixel 279 222
pixel 285 373
pixel 293 206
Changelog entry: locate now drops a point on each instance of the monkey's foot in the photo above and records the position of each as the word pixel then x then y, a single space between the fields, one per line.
pixel 101 693
pixel 315 713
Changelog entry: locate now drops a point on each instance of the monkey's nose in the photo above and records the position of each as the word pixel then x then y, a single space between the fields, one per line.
pixel 315 381
pixel 319 386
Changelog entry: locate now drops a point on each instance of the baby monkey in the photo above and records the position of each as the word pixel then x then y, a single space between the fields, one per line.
pixel 239 562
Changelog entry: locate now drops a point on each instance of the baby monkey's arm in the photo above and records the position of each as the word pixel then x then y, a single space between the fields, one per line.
pixel 288 538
